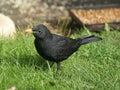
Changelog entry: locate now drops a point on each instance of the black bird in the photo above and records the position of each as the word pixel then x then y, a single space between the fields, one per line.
pixel 57 48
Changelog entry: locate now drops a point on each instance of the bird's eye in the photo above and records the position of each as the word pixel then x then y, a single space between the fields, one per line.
pixel 39 31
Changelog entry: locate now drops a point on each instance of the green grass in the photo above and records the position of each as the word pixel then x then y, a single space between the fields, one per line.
pixel 94 66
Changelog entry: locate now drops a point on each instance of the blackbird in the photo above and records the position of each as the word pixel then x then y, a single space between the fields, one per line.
pixel 57 48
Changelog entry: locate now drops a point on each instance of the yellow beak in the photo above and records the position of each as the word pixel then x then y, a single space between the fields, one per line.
pixel 29 31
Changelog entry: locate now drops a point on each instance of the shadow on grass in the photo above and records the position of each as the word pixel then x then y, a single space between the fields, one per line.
pixel 35 61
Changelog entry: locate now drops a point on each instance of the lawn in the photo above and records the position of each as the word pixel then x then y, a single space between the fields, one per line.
pixel 95 66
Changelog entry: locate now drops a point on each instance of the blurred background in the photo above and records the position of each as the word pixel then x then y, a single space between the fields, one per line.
pixel 25 12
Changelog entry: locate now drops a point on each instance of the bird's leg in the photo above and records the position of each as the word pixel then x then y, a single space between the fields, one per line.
pixel 58 67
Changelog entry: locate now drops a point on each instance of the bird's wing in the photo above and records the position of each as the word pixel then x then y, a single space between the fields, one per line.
pixel 64 47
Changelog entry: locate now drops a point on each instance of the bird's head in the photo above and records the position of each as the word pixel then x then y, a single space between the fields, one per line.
pixel 40 31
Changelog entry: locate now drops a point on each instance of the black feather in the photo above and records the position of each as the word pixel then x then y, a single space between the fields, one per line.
pixel 57 48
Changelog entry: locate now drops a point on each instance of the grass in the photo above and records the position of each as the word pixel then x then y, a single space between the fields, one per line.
pixel 94 66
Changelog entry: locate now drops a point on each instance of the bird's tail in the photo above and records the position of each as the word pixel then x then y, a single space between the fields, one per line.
pixel 88 39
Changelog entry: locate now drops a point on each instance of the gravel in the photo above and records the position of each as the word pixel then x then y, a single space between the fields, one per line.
pixel 25 11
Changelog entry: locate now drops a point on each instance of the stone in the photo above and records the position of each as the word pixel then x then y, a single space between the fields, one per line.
pixel 7 26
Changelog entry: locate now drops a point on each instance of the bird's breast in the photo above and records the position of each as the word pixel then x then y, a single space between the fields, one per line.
pixel 44 49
